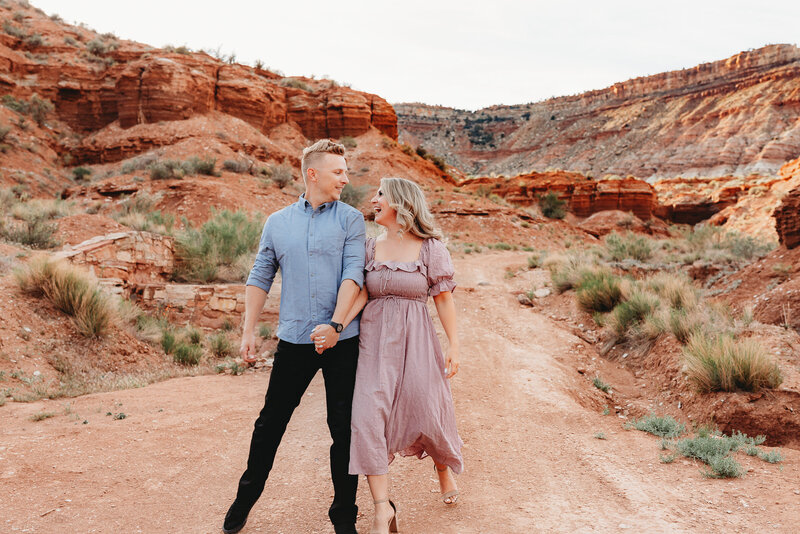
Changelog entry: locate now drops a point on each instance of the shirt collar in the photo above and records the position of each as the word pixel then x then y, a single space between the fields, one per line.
pixel 306 205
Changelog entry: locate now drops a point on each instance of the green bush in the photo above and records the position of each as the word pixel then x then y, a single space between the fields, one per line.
pixel 628 246
pixel 166 170
pixel 221 240
pixel 35 232
pixel 265 331
pixel 187 354
pixel 168 341
pixel 665 427
pixel 194 336
pixel 237 166
pixel 599 384
pixel 631 312
pixel 354 195
pixel 79 173
pixel 721 363
pixel 220 345
pixel 552 207
pixel 348 141
pixel 281 174
pixel 195 165
pixel 598 291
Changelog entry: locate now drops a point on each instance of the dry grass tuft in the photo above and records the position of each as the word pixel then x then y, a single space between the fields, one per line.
pixel 722 363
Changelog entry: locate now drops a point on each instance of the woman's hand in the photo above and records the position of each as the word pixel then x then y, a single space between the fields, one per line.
pixel 451 362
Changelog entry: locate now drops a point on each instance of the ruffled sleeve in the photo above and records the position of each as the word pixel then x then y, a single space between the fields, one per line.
pixel 370 250
pixel 439 267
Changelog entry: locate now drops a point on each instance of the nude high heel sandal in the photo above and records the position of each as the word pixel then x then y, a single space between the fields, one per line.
pixel 392 521
pixel 452 496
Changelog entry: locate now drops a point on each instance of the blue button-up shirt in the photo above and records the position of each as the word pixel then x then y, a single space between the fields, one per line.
pixel 316 250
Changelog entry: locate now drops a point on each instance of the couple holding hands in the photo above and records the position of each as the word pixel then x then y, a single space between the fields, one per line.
pixel 356 309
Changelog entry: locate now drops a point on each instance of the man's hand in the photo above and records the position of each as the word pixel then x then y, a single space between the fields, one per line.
pixel 248 348
pixel 324 336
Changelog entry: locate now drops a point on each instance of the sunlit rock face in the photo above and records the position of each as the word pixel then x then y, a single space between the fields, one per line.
pixel 734 117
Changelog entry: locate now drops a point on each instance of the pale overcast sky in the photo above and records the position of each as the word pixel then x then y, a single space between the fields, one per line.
pixel 464 54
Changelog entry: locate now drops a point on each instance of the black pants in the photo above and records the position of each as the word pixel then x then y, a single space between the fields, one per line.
pixel 292 370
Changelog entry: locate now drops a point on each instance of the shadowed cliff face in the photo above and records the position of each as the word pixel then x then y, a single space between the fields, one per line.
pixel 733 117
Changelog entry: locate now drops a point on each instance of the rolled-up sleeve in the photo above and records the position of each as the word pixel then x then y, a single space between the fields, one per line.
pixel 266 264
pixel 353 254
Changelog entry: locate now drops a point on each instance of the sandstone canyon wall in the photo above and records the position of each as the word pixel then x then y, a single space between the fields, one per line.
pixel 98 80
pixel 733 117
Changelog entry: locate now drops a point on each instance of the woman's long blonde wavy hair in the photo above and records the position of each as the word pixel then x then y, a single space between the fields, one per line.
pixel 413 214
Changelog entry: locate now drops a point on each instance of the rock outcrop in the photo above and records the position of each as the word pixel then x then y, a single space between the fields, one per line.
pixel 583 195
pixel 95 80
pixel 787 219
pixel 733 117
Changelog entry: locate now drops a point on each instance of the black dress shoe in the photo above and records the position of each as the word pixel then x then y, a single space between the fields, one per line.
pixel 235 519
pixel 345 529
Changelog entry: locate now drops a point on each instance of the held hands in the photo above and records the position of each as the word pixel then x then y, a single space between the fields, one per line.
pixel 451 362
pixel 324 336
pixel 248 348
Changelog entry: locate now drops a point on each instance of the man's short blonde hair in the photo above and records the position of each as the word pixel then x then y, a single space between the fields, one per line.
pixel 313 152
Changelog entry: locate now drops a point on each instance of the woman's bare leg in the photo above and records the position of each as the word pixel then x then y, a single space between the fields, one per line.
pixel 379 488
pixel 447 482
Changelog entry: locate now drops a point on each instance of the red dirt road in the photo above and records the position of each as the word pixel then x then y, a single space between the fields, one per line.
pixel 526 417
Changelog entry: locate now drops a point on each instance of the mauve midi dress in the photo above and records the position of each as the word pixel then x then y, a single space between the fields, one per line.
pixel 402 401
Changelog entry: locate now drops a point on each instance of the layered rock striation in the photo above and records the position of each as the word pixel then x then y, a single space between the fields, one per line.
pixel 787 219
pixel 583 195
pixel 733 117
pixel 96 80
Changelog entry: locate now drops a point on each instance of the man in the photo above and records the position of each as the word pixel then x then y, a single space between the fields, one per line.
pixel 318 244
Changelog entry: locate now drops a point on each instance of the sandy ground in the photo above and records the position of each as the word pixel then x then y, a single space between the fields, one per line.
pixel 527 418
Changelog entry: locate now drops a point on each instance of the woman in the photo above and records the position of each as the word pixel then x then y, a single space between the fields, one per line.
pixel 402 401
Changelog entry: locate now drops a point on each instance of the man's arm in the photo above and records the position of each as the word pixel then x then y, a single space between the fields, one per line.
pixel 325 336
pixel 257 287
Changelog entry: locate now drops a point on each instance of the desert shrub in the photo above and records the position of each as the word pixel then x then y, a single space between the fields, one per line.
pixel 43 208
pixel 294 83
pixel 220 345
pixel 665 427
pixel 599 384
pixel 683 325
pixel 13 31
pixel 97 47
pixel 35 232
pixel 14 104
pixel 632 311
pixel 439 161
pixel 714 451
pixel 155 221
pixel 4 131
pixel 39 108
pixel 265 331
pixel 354 195
pixel 237 166
pixel 421 152
pixel 70 291
pixel 348 141
pixel 407 149
pixel 34 40
pixel 551 206
pixel 187 354
pixel 598 291
pixel 722 363
pixel 196 165
pixel 219 241
pixel 141 202
pixel 535 261
pixel 69 40
pixel 166 170
pixel 772 457
pixel 138 163
pixel 79 173
pixel 194 336
pixel 675 289
pixel 168 340
pixel 745 246
pixel 281 174
pixel 628 246
pixel 566 271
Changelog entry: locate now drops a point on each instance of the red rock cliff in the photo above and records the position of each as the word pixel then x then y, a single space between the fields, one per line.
pixel 93 85
pixel 732 117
